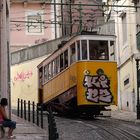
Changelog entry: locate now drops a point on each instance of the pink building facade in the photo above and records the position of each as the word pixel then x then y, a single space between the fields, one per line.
pixel 30 23
pixel 79 15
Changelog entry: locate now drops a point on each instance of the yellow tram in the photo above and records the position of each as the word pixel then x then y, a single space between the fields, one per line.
pixel 81 76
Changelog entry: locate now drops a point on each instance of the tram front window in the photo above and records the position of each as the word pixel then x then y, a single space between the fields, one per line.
pixel 84 49
pixel 78 50
pixel 98 50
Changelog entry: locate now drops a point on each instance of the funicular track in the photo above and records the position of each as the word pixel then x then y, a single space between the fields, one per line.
pixel 108 129
pixel 113 130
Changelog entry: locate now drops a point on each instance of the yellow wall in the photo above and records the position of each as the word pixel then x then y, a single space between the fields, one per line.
pixel 24 83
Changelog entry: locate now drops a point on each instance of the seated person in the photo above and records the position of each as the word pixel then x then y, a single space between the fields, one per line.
pixel 4 120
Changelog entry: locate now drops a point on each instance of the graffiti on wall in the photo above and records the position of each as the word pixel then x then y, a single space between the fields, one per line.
pixel 22 76
pixel 97 87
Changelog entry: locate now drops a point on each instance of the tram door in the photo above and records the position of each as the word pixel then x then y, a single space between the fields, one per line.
pixel 40 90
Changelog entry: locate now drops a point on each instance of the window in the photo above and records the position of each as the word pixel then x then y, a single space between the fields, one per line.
pixel 34 23
pixel 103 50
pixel 46 73
pixel 57 64
pixel 61 62
pixel 98 50
pixel 40 77
pixel 53 68
pixel 126 82
pixel 72 53
pixel 66 59
pixel 84 49
pixel 78 50
pixel 112 55
pixel 50 71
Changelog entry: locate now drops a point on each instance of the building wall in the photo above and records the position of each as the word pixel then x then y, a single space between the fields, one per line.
pixel 77 17
pixel 126 47
pixel 19 37
pixel 24 81
pixel 127 87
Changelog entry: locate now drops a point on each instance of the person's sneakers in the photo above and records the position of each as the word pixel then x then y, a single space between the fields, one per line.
pixel 12 137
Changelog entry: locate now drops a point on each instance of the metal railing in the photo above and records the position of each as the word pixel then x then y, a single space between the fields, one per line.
pixel 35 113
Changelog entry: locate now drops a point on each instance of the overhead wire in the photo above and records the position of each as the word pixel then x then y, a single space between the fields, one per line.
pixel 51 21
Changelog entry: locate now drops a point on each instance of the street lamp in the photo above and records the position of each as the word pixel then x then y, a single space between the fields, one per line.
pixel 137 58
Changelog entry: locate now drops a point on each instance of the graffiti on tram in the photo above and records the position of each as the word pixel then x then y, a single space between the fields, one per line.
pixel 97 87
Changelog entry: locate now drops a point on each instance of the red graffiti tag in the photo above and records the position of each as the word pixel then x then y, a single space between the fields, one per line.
pixel 23 75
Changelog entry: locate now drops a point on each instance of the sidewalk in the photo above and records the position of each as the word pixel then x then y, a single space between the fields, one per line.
pixel 27 131
pixel 124 115
pixel 115 113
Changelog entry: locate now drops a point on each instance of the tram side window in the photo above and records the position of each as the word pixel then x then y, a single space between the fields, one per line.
pixel 98 50
pixel 46 73
pixel 66 59
pixel 112 54
pixel 84 49
pixel 57 64
pixel 61 62
pixel 78 50
pixel 72 53
pixel 50 71
pixel 40 77
pixel 53 68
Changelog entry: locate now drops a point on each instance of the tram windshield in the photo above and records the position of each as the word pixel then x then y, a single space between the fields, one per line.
pixel 98 50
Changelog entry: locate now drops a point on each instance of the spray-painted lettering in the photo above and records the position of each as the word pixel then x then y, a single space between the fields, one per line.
pixel 98 88
pixel 21 76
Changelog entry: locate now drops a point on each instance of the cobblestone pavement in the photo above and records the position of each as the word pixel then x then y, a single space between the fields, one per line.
pixel 68 129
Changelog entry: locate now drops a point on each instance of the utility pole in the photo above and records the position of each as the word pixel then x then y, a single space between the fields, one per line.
pixel 55 19
pixel 62 26
pixel 70 18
